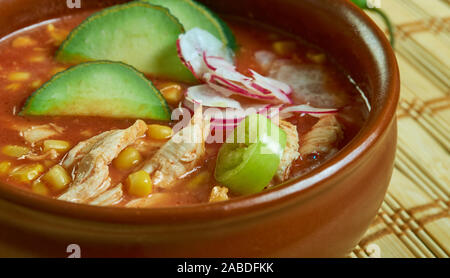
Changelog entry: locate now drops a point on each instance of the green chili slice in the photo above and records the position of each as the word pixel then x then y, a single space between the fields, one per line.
pixel 249 159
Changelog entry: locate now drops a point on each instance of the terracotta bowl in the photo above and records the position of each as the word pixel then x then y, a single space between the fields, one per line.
pixel 323 214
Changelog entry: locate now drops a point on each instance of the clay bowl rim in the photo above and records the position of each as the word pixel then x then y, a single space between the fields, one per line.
pixel 297 189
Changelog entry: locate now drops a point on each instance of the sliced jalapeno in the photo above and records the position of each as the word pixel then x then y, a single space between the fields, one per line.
pixel 249 159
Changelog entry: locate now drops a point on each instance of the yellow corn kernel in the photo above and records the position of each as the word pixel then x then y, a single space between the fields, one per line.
pixel 127 159
pixel 27 173
pixel 58 35
pixel 57 177
pixel 4 167
pixel 172 92
pixel 159 132
pixel 13 87
pixel 15 151
pixel 19 76
pixel 139 184
pixel 60 146
pixel 40 188
pixel 36 84
pixel 37 59
pixel 51 27
pixel 317 58
pixel 218 194
pixel 201 178
pixel 23 41
pixel 56 70
pixel 284 48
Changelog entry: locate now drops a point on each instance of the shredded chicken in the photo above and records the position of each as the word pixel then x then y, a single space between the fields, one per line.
pixel 35 134
pixel 148 146
pixel 180 154
pixel 218 194
pixel 323 137
pixel 83 148
pixel 109 197
pixel 51 154
pixel 91 159
pixel 290 153
pixel 154 200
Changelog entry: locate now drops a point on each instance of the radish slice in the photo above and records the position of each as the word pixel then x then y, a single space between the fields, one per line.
pixel 228 88
pixel 211 61
pixel 306 109
pixel 191 46
pixel 207 96
pixel 282 87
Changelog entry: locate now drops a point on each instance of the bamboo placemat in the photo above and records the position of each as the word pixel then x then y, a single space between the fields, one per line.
pixel 414 218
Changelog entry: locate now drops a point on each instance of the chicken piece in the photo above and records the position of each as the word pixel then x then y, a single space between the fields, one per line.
pixel 290 153
pixel 109 197
pixel 180 154
pixel 218 194
pixel 91 172
pixel 51 154
pixel 148 146
pixel 323 137
pixel 35 134
pixel 154 200
pixel 83 148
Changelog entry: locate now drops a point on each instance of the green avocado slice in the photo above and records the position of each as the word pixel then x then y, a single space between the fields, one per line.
pixel 139 34
pixel 193 14
pixel 105 89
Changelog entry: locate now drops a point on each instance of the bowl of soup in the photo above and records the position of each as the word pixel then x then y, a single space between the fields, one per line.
pixel 186 129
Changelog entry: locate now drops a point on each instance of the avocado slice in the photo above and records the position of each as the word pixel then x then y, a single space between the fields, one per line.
pixel 193 14
pixel 137 33
pixel 103 88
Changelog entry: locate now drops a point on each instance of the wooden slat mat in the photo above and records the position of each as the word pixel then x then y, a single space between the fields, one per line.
pixel 414 218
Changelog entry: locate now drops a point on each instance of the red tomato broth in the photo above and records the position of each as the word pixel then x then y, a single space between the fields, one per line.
pixel 250 37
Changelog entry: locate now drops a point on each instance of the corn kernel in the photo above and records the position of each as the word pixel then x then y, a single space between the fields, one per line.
pixel 60 146
pixel 139 184
pixel 13 87
pixel 317 58
pixel 4 167
pixel 27 173
pixel 58 35
pixel 39 188
pixel 218 194
pixel 15 151
pixel 56 70
pixel 200 179
pixel 57 178
pixel 23 41
pixel 50 27
pixel 159 132
pixel 284 48
pixel 36 84
pixel 127 159
pixel 37 59
pixel 19 76
pixel 172 92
